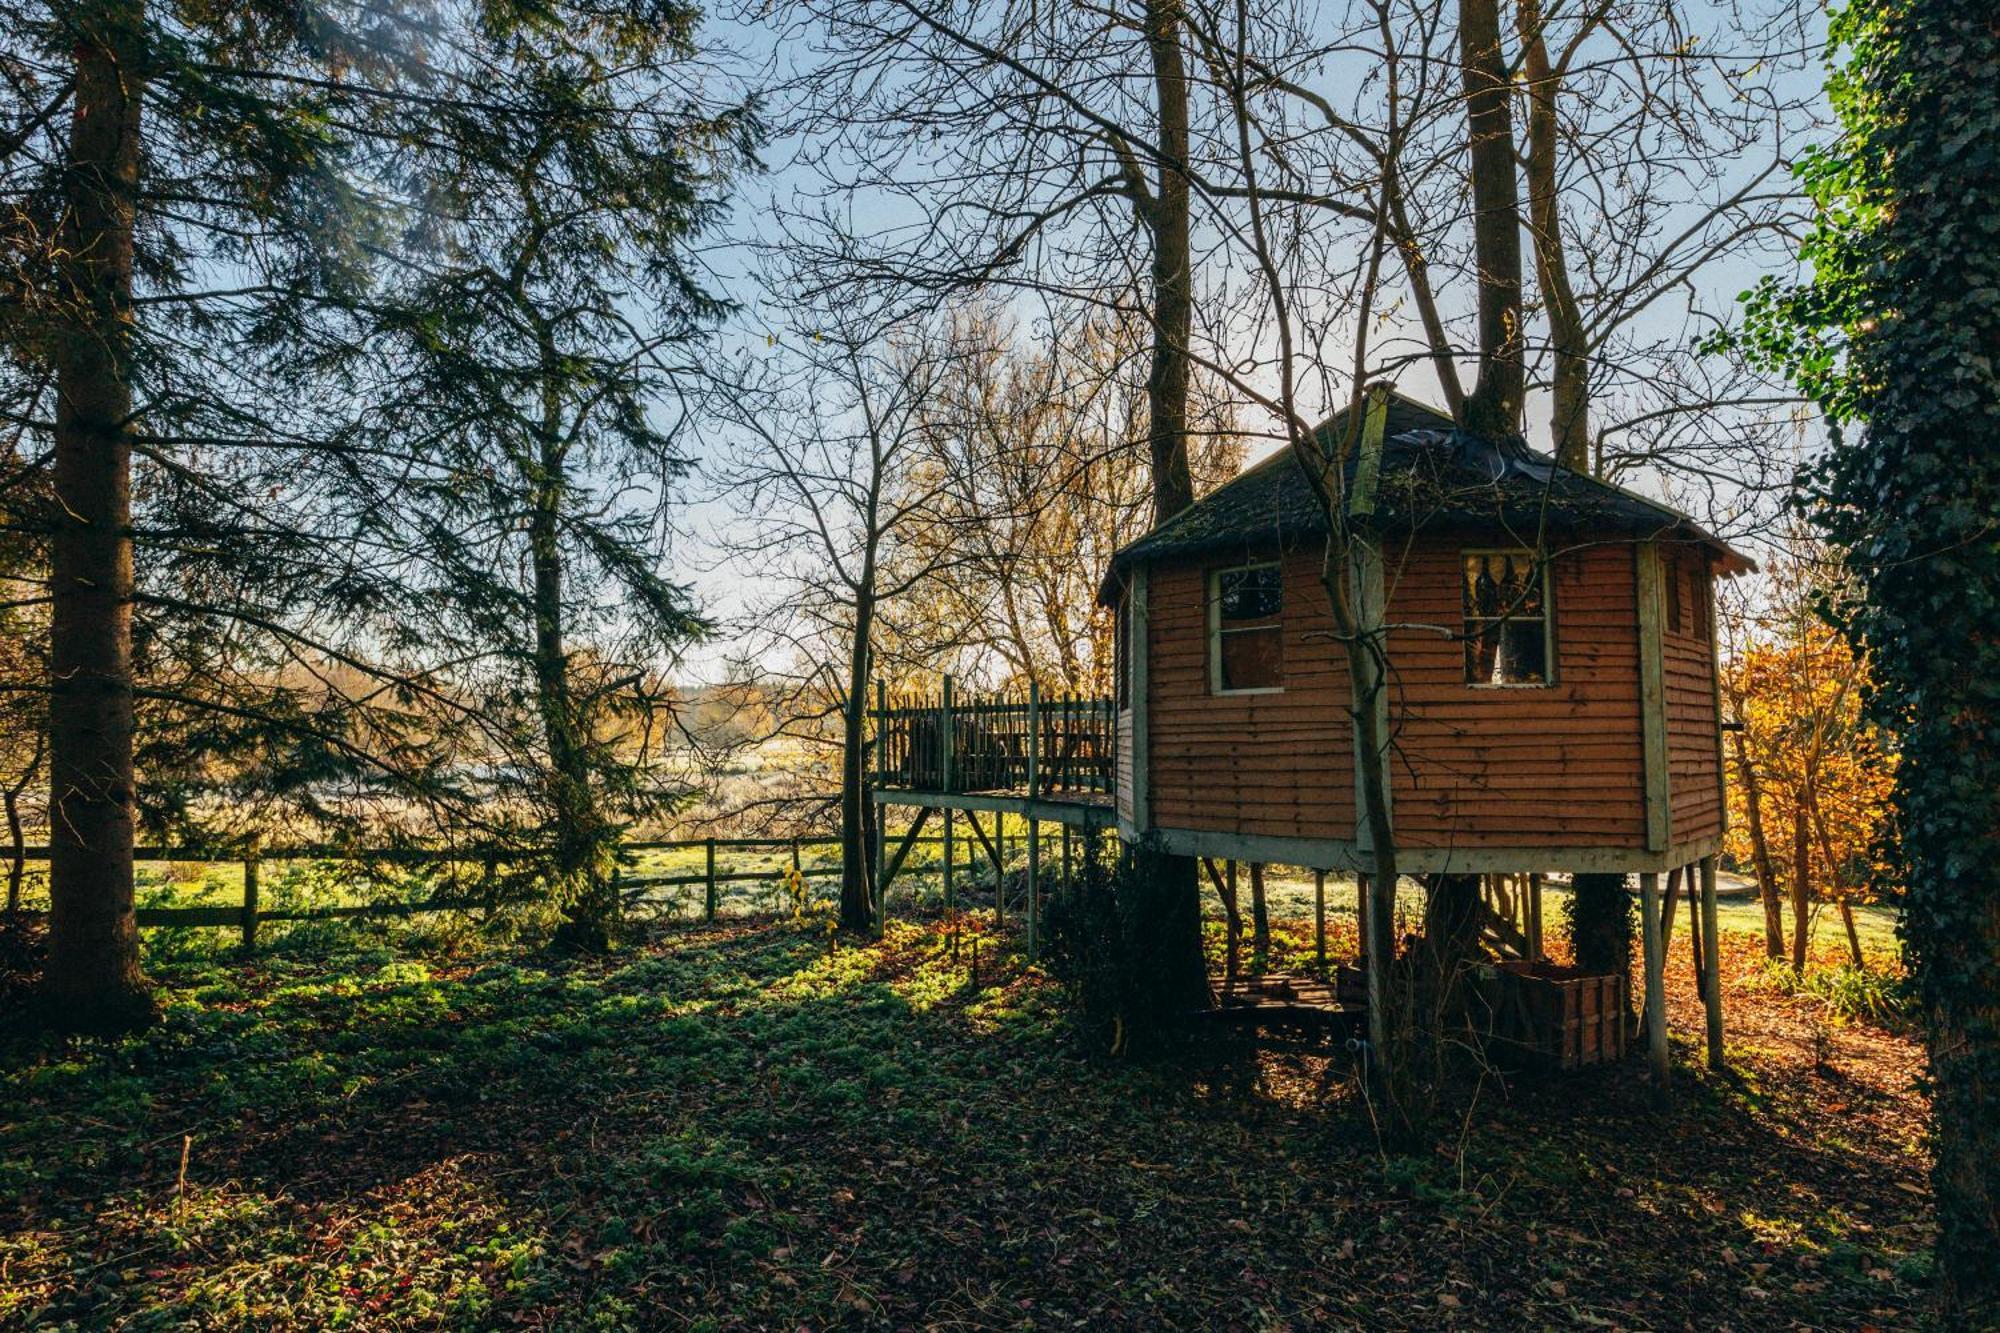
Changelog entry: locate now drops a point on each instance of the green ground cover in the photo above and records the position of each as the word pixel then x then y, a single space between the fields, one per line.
pixel 422 1126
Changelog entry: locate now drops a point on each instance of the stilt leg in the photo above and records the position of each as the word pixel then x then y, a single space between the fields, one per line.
pixel 1711 963
pixel 1319 916
pixel 1534 915
pixel 950 883
pixel 1656 979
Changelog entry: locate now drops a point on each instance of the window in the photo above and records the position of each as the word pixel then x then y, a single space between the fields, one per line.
pixel 1246 638
pixel 1676 604
pixel 1507 640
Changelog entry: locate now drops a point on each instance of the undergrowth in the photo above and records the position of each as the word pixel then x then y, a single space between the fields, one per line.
pixel 1851 994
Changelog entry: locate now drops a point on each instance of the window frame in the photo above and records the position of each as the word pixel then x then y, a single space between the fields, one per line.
pixel 1548 616
pixel 1213 587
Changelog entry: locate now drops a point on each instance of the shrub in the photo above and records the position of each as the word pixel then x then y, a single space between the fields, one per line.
pixel 1113 941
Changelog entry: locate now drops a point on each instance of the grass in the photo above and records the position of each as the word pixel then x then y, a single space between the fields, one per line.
pixel 734 1126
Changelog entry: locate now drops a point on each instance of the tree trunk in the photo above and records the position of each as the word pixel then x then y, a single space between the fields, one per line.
pixel 92 981
pixel 17 860
pixel 856 886
pixel 1172 269
pixel 1183 988
pixel 579 840
pixel 1801 885
pixel 1600 924
pixel 1760 849
pixel 591 909
pixel 1853 935
pixel 1494 407
pixel 1569 425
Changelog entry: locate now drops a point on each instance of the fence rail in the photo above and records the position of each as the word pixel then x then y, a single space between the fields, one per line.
pixel 250 913
pixel 945 743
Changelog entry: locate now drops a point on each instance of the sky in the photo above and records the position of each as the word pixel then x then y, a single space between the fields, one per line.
pixel 730 591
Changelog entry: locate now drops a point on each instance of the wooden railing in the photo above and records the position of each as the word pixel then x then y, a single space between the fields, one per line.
pixel 946 743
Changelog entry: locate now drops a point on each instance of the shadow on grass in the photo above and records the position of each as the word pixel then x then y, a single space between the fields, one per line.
pixel 737 1126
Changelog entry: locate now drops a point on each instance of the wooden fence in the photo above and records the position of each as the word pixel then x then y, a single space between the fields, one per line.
pixel 946 743
pixel 249 914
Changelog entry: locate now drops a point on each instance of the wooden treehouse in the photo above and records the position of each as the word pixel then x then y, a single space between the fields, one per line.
pixel 1551 699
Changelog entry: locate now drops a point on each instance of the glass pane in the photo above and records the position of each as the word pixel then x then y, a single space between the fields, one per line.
pixel 1502 585
pixel 1251 594
pixel 1253 659
pixel 1506 652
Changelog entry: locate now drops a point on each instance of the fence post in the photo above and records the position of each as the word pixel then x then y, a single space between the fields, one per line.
pixel 251 865
pixel 709 903
pixel 795 852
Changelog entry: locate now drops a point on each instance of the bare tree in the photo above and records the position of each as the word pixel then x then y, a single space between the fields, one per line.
pixel 829 473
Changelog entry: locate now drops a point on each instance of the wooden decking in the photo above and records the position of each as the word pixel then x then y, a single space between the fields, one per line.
pixel 1287 1000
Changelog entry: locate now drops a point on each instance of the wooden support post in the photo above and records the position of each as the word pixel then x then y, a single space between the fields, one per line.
pixel 950 870
pixel 1067 839
pixel 795 852
pixel 1034 882
pixel 1711 963
pixel 710 899
pixel 250 891
pixel 1656 979
pixel 1534 918
pixel 999 868
pixel 1366 937
pixel 1319 916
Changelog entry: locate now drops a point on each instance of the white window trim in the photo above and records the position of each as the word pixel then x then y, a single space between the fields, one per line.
pixel 1548 620
pixel 1215 629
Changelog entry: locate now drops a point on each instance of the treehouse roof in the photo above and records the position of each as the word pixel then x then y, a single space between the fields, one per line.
pixel 1432 475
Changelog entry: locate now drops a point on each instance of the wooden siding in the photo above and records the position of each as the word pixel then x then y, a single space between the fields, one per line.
pixel 1558 765
pixel 1693 743
pixel 1278 765
pixel 1122 763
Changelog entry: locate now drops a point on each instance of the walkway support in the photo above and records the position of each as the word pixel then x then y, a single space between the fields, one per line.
pixel 1656 980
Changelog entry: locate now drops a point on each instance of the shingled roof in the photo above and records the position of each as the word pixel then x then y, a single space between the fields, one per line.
pixel 1432 476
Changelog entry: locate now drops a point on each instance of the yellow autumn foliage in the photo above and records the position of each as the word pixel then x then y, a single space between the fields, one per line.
pixel 1823 773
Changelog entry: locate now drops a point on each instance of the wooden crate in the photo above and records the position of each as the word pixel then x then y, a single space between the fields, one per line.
pixel 1555 1017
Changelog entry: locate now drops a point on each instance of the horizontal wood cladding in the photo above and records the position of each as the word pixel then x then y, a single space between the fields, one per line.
pixel 1557 766
pixel 1694 744
pixel 1560 764
pixel 1122 765
pixel 1274 765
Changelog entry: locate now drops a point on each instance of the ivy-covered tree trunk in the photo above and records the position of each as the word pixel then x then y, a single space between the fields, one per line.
pixel 1600 924
pixel 92 980
pixel 1899 338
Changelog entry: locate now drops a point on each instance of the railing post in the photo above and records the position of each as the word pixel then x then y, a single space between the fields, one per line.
pixel 709 902
pixel 795 852
pixel 1034 746
pixel 945 741
pixel 251 867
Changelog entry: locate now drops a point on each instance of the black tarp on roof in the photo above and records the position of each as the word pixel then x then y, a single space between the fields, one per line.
pixel 1433 476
